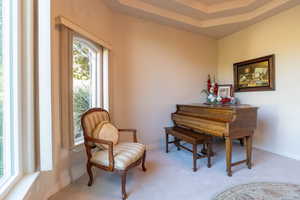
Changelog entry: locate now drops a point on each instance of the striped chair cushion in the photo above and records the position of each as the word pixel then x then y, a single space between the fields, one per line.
pixel 106 131
pixel 124 155
pixel 93 119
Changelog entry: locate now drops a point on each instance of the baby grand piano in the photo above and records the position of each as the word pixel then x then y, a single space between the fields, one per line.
pixel 227 121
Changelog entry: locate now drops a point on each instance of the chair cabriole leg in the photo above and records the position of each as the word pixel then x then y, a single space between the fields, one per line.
pixel 143 162
pixel 123 182
pixel 90 173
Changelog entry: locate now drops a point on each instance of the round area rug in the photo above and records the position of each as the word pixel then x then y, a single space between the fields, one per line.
pixel 261 191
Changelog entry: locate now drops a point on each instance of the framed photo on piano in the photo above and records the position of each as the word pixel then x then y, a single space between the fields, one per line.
pixel 225 91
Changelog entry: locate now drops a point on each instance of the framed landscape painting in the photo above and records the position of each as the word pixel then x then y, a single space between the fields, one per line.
pixel 255 75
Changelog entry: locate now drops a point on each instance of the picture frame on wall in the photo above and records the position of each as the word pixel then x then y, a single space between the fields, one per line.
pixel 225 91
pixel 255 75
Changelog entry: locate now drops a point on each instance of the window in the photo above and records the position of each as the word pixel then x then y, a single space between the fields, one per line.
pixel 89 81
pixel 1 94
pixel 86 74
pixel 84 78
pixel 9 94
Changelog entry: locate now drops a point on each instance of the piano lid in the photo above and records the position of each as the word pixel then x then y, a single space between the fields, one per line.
pixel 223 107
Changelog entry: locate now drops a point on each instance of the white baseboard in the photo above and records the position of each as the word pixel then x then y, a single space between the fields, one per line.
pixel 153 146
pixel 285 154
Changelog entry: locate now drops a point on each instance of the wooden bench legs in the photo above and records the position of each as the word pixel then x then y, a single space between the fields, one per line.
pixel 194 151
pixel 176 142
pixel 196 156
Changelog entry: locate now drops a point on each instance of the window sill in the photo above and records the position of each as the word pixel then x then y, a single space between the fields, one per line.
pixel 78 147
pixel 21 189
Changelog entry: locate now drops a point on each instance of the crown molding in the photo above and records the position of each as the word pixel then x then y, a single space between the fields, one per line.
pixel 172 15
pixel 215 8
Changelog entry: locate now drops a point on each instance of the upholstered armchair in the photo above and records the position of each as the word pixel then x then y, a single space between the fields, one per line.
pixel 103 149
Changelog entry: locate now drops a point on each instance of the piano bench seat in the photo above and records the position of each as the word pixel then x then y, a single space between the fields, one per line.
pixel 192 137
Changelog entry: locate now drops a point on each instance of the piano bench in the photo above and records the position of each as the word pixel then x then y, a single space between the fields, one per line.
pixel 192 137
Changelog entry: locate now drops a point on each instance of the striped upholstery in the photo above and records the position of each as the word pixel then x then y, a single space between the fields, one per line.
pixel 124 155
pixel 93 119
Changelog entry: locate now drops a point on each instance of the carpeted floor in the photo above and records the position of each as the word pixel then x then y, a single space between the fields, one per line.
pixel 170 177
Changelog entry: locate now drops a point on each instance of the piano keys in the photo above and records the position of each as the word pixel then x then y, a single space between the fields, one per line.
pixel 227 121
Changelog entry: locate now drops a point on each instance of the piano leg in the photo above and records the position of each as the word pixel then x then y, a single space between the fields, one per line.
pixel 195 157
pixel 167 143
pixel 249 151
pixel 209 154
pixel 228 155
pixel 177 143
pixel 204 150
pixel 242 142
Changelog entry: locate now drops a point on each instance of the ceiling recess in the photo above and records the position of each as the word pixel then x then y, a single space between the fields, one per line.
pixel 215 18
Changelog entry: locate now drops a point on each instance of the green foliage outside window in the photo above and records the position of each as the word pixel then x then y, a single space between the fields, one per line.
pixel 81 91
pixel 81 68
pixel 81 103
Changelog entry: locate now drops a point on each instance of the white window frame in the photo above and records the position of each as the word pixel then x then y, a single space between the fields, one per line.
pixel 19 40
pixel 12 92
pixel 106 79
pixel 44 63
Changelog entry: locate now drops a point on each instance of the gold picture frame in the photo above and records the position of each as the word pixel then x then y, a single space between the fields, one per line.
pixel 255 75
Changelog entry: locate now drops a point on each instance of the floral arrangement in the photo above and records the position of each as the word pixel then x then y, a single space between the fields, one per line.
pixel 212 93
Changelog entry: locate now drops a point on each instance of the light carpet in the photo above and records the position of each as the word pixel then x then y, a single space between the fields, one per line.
pixel 170 177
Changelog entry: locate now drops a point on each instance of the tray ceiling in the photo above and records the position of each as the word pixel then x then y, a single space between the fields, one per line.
pixel 215 18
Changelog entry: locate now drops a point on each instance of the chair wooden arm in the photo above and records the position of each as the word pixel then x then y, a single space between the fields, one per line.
pixel 100 141
pixel 130 130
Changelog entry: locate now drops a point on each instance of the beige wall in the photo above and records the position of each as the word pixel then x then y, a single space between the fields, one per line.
pixel 153 68
pixel 279 111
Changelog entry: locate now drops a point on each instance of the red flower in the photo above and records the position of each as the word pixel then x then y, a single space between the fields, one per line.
pixel 208 83
pixel 225 100
pixel 216 89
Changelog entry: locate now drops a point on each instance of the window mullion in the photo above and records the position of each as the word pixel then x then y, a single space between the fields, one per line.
pixel 99 91
pixel 93 71
pixel 7 91
pixel 11 49
pixel 105 77
pixel 16 76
